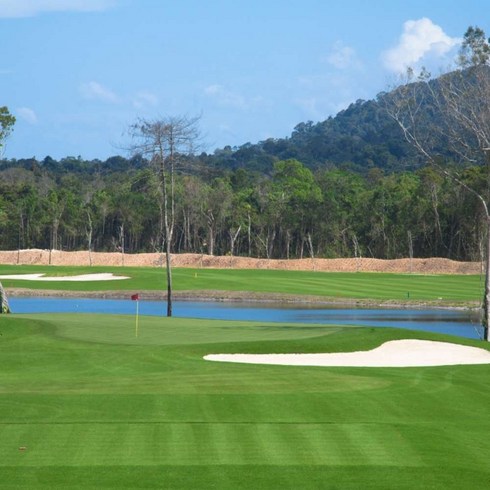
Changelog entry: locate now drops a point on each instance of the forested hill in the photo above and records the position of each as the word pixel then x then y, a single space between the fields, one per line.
pixel 365 136
pixel 360 137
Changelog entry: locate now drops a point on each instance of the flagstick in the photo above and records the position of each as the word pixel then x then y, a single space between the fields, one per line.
pixel 137 315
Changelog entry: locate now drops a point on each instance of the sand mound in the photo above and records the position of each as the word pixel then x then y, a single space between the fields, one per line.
pixel 395 353
pixel 416 266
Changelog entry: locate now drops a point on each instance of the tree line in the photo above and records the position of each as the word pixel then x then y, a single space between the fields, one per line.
pixel 290 212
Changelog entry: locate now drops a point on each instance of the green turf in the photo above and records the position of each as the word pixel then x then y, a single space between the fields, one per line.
pixel 369 286
pixel 96 407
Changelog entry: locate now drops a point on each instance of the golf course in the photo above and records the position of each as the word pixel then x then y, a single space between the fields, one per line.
pixel 85 402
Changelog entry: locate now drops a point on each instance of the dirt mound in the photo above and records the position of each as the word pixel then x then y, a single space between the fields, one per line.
pixel 83 258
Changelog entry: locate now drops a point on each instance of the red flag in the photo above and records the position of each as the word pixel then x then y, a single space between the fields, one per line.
pixel 135 297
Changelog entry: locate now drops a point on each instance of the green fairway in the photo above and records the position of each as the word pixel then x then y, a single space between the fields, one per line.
pixel 84 403
pixel 358 286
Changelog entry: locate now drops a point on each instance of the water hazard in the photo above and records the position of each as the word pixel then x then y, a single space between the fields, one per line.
pixel 463 323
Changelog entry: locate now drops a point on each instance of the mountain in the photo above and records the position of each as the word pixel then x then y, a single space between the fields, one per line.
pixel 363 136
pixel 360 137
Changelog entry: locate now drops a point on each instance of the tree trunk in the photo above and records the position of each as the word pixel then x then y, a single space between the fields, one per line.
pixel 233 237
pixel 271 235
pixel 168 229
pixel 210 240
pixel 249 235
pixel 310 245
pixel 121 242
pixel 486 299
pixel 168 260
pixel 357 252
pixel 54 234
pixel 89 233
pixel 410 249
pixel 4 303
pixel 288 243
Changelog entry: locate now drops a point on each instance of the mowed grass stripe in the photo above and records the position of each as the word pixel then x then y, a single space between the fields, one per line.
pixel 241 477
pixel 204 444
pixel 376 286
pixel 343 285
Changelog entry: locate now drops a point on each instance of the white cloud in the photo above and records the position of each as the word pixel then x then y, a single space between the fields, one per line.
pixel 420 39
pixel 96 91
pixel 29 8
pixel 343 57
pixel 27 114
pixel 143 99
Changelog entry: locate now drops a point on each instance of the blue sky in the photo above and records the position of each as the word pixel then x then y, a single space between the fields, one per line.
pixel 77 73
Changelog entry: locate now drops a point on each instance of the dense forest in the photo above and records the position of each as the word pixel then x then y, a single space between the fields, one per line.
pixel 290 212
pixel 384 178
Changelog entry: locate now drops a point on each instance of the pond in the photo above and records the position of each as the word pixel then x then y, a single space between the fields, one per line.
pixel 463 323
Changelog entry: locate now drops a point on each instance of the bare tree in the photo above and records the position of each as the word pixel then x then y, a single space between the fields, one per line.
pixel 164 142
pixel 459 104
pixel 7 122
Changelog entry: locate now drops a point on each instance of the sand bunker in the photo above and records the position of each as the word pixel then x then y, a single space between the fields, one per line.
pixel 103 276
pixel 395 353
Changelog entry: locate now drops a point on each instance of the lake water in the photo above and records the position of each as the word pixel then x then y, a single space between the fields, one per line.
pixel 463 323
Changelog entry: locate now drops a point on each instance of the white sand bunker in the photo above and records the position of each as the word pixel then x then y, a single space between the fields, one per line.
pixel 103 276
pixel 395 353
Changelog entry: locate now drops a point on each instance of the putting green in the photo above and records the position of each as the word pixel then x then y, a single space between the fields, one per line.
pixel 84 403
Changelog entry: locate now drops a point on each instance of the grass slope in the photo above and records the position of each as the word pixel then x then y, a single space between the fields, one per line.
pixel 370 286
pixel 97 407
